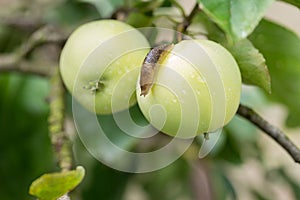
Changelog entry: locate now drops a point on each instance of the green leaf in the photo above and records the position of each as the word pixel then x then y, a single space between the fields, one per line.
pixel 280 47
pixel 105 8
pixel 71 13
pixel 145 6
pixel 54 185
pixel 252 64
pixel 293 2
pixel 237 18
pixel 137 19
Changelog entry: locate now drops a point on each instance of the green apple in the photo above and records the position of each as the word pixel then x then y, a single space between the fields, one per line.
pixel 100 63
pixel 196 90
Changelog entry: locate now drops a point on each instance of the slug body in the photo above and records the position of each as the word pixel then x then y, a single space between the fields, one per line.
pixel 150 66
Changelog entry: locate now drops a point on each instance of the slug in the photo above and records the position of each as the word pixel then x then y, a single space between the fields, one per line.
pixel 150 66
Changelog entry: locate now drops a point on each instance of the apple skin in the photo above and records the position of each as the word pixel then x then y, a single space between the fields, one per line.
pixel 99 57
pixel 197 90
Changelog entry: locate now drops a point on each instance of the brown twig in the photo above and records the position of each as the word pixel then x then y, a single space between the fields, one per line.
pixel 8 63
pixel 121 14
pixel 270 130
pixel 17 61
pixel 24 23
pixel 181 28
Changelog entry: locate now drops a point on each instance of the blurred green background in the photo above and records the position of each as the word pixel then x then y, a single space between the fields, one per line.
pixel 245 164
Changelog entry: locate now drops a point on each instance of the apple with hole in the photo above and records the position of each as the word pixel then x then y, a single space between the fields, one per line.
pixel 196 89
pixel 99 57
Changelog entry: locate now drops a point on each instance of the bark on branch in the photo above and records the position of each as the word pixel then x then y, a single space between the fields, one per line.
pixel 60 141
pixel 272 131
pixel 17 61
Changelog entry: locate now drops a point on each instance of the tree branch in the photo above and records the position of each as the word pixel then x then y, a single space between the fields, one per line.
pixel 60 141
pixel 270 130
pixel 9 63
pixel 24 23
pixel 181 28
pixel 17 61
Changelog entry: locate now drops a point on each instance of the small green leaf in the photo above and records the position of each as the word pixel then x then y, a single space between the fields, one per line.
pixel 293 2
pixel 252 64
pixel 54 185
pixel 237 18
pixel 280 47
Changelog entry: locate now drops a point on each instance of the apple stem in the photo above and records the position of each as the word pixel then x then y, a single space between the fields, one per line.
pixel 94 86
pixel 206 136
